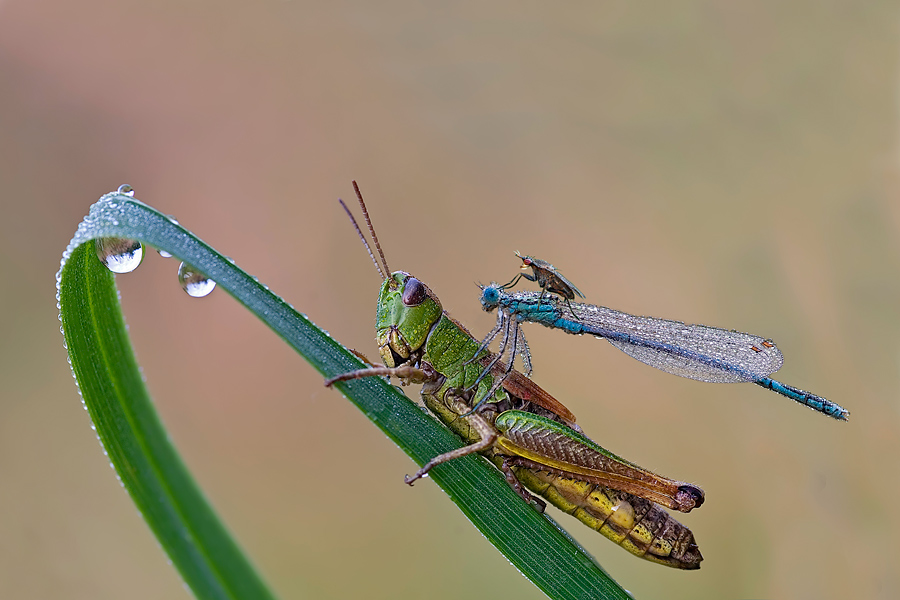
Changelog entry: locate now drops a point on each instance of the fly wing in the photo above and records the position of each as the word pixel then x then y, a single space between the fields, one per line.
pixel 694 351
pixel 568 284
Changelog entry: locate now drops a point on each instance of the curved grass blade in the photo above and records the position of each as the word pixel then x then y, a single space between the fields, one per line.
pixel 135 440
pixel 152 472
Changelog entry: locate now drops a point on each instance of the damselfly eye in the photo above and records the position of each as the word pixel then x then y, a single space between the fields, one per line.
pixel 490 297
pixel 414 292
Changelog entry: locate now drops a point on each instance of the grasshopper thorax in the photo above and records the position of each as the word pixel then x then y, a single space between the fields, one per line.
pixel 407 310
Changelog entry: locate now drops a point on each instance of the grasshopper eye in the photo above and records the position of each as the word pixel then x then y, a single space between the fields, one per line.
pixel 414 292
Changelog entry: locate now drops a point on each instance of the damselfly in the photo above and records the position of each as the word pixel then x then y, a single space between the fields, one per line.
pixel 694 351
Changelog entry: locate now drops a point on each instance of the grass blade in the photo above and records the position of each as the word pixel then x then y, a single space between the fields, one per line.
pixel 135 439
pixel 152 472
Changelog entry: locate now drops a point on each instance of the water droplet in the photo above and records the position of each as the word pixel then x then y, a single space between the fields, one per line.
pixel 194 282
pixel 126 190
pixel 118 254
pixel 163 253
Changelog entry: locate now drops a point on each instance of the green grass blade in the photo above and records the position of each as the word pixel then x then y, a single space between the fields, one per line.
pixel 135 440
pixel 163 490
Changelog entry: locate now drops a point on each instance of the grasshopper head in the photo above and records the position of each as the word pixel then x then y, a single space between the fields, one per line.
pixel 407 310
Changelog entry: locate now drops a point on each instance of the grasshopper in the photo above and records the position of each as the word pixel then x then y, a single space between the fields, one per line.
pixel 522 429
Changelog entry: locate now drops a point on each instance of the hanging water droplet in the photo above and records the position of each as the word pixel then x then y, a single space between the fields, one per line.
pixel 194 282
pixel 118 254
pixel 163 253
pixel 126 190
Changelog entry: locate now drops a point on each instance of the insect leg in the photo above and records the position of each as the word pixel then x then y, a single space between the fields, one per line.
pixel 407 373
pixel 521 347
pixel 514 483
pixel 498 380
pixel 485 430
pixel 501 321
pixel 487 339
pixel 515 280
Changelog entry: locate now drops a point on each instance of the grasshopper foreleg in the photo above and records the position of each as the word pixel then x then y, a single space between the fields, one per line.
pixel 485 430
pixel 362 357
pixel 406 373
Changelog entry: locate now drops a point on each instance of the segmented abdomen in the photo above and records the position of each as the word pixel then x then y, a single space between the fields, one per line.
pixel 638 525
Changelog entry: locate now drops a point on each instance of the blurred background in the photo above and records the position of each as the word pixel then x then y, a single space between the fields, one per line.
pixel 713 162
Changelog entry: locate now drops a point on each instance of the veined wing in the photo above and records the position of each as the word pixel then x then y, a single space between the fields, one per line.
pixel 694 351
pixel 540 443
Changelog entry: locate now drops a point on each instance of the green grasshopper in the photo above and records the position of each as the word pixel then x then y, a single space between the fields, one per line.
pixel 529 435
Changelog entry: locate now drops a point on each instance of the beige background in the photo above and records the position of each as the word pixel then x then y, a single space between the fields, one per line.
pixel 715 163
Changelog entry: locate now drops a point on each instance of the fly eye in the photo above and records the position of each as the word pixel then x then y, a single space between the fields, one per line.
pixel 414 292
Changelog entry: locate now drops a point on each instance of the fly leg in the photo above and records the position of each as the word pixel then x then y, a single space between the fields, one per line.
pixel 571 310
pixel 516 280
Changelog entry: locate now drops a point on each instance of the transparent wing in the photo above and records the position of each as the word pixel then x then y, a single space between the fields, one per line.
pixel 694 351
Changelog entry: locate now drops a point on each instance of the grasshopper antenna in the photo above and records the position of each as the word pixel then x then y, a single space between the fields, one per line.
pixel 359 232
pixel 362 205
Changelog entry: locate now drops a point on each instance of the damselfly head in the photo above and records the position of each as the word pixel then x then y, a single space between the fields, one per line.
pixel 490 297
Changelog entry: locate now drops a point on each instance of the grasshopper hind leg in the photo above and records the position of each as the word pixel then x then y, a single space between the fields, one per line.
pixel 514 483
pixel 485 430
